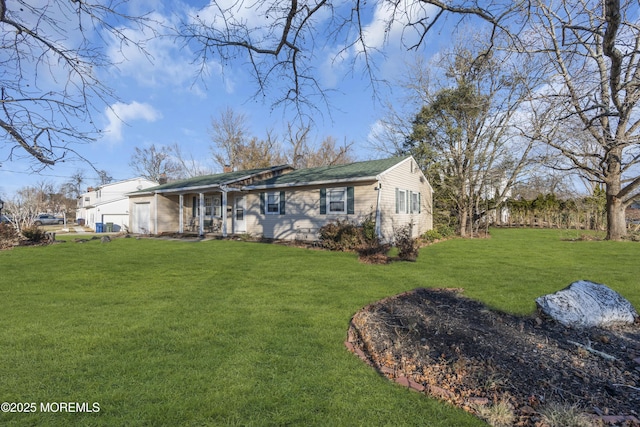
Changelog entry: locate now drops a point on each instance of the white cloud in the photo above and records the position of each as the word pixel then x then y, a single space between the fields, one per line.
pixel 386 29
pixel 120 113
pixel 156 60
pixel 390 21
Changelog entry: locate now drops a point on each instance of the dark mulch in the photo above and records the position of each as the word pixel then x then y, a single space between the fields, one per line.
pixel 462 352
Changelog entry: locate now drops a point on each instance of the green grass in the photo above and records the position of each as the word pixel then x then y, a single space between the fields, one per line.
pixel 233 333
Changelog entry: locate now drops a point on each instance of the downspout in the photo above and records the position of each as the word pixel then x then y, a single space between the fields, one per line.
pixel 224 189
pixel 378 216
pixel 201 215
pixel 181 210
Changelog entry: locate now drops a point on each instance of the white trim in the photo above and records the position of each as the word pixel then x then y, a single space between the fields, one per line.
pixel 417 197
pixel 344 201
pixel 402 200
pixel 275 194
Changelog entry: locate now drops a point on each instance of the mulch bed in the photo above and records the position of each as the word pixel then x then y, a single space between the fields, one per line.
pixel 441 343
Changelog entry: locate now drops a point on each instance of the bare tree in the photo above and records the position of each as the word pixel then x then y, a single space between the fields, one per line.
pixel 189 167
pixel 234 149
pixel 154 163
pixel 48 62
pixel 589 112
pixel 229 133
pixel 464 136
pixel 74 187
pixel 276 41
pixel 29 201
pixel 280 40
pixel 104 178
pixel 303 154
pixel 260 153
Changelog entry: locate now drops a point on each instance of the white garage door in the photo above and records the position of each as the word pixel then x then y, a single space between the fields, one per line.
pixel 141 218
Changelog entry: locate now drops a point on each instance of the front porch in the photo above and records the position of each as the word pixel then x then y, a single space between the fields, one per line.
pixel 217 213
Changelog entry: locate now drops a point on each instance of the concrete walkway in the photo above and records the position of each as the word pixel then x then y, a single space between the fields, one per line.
pixel 79 230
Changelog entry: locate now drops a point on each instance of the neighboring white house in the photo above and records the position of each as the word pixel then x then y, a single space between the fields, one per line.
pixel 108 204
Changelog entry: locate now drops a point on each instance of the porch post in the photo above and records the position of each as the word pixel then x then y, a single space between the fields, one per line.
pixel 181 210
pixel 201 216
pixel 224 210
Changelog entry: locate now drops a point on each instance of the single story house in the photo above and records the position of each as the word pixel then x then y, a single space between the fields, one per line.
pixel 283 203
pixel 109 203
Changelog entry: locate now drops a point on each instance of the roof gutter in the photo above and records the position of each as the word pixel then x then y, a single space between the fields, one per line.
pixel 305 184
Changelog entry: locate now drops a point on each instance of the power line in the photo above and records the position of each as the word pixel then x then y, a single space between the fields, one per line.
pixel 45 175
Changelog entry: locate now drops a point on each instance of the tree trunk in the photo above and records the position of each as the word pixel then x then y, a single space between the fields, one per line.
pixel 616 221
pixel 463 222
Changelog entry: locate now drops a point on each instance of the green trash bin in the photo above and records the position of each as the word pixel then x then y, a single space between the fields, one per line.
pixel 109 227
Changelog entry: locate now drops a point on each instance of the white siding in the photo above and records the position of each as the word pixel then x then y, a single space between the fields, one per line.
pixel 302 218
pixel 405 176
pixel 109 203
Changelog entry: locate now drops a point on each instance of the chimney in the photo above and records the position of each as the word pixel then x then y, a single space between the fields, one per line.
pixel 89 190
pixel 162 179
pixel 227 169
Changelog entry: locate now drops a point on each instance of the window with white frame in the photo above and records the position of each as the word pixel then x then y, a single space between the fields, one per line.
pixel 217 206
pixel 401 201
pixel 415 202
pixel 337 198
pixel 208 205
pixel 273 203
pixel 212 206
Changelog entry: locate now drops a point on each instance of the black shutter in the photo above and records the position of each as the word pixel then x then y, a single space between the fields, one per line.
pixel 262 203
pixel 282 203
pixel 323 201
pixel 350 201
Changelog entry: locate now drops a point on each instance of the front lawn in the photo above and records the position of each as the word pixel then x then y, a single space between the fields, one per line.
pixel 232 333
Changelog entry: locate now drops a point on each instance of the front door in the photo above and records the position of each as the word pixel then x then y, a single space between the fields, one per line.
pixel 239 221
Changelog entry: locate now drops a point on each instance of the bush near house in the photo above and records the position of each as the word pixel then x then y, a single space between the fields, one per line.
pixel 34 234
pixel 406 244
pixel 342 235
pixel 9 236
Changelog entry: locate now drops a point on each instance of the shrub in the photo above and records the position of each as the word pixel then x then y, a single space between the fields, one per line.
pixel 406 244
pixel 34 234
pixel 8 236
pixel 446 231
pixel 341 235
pixel 441 232
pixel 369 229
pixel 432 236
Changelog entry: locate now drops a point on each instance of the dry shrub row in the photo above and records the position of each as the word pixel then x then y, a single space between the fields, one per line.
pixel 343 235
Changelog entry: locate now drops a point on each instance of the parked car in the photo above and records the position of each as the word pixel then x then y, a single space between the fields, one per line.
pixel 47 219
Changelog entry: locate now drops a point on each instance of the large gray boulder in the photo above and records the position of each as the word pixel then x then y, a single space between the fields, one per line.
pixel 585 304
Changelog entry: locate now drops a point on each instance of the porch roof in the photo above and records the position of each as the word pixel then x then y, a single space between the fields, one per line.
pixel 359 171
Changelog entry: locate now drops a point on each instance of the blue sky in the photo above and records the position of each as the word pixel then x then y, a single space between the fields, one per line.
pixel 163 102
